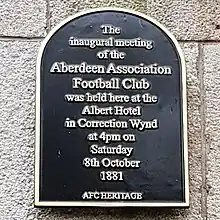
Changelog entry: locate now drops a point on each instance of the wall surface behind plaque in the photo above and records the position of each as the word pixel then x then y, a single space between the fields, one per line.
pixel 25 23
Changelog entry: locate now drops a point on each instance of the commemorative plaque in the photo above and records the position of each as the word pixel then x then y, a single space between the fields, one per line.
pixel 111 122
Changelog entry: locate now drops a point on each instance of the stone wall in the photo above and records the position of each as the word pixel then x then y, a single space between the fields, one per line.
pixel 25 23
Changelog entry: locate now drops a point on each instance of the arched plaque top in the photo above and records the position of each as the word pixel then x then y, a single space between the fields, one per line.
pixel 113 9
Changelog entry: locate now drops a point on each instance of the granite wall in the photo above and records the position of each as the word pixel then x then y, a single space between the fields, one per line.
pixel 25 23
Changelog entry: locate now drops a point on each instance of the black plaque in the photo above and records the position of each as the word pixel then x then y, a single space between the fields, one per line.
pixel 111 122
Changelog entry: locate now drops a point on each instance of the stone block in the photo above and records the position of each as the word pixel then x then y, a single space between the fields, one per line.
pixel 186 19
pixel 23 18
pixel 212 132
pixel 17 128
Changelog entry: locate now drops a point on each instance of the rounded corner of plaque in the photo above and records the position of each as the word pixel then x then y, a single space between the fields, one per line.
pixel 186 204
pixel 37 203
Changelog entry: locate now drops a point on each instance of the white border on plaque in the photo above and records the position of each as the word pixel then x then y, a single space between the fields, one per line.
pixel 37 202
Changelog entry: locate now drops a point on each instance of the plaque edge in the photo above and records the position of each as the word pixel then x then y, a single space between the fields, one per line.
pixel 39 203
pixel 112 204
